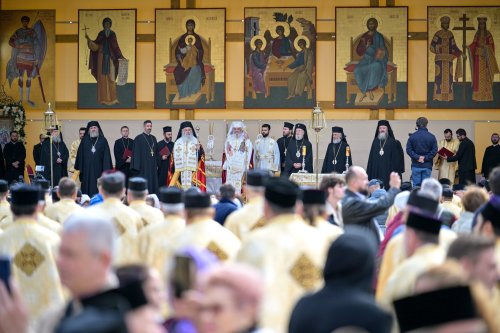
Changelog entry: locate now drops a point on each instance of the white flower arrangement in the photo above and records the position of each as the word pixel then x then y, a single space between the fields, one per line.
pixel 17 113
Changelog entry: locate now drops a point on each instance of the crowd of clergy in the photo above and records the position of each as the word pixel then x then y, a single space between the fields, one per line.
pixel 144 247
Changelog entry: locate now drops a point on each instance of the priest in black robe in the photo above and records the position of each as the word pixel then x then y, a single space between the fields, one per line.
pixel 2 164
pixel 123 153
pixel 37 150
pixel 386 154
pixel 283 143
pixel 144 157
pixel 491 157
pixel 93 157
pixel 15 154
pixel 164 156
pixel 337 155
pixel 60 156
pixel 299 145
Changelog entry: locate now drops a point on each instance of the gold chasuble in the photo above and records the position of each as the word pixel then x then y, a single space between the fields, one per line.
pixel 33 250
pixel 204 233
pixel 394 255
pixel 152 236
pixel 290 254
pixel 62 209
pixel 250 217
pixel 447 169
pixel 149 215
pixel 127 222
pixel 5 214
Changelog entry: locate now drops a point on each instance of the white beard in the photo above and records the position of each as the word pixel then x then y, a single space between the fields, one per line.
pixel 382 136
pixel 56 139
pixel 94 134
pixel 299 137
pixel 335 141
pixel 188 138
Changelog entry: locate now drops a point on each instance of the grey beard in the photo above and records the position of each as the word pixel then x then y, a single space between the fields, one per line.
pixel 298 137
pixel 56 139
pixel 382 136
pixel 94 134
pixel 336 141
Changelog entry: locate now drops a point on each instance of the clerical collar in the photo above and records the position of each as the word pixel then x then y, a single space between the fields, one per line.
pixel 145 133
pixel 124 138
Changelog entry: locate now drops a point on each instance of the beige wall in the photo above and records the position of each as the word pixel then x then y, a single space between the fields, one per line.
pixel 66 65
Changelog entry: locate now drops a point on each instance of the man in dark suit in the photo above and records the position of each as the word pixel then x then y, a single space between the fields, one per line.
pixel 37 150
pixel 357 210
pixel 466 157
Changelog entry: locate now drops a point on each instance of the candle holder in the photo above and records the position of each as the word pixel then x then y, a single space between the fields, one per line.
pixel 50 122
pixel 318 122
pixel 347 156
pixel 303 170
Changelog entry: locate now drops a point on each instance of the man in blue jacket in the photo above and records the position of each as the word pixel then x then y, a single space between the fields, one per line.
pixel 421 147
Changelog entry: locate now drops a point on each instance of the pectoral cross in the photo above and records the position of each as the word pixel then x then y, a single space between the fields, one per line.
pixel 464 29
pixel 86 54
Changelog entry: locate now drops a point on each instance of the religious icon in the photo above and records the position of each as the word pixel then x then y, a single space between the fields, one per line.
pixel 189 58
pixel 280 57
pixel 27 56
pixel 106 75
pixel 371 57
pixel 463 69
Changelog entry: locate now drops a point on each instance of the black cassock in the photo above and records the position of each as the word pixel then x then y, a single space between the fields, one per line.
pixel 144 160
pixel 92 164
pixel 164 148
pixel 291 156
pixel 2 164
pixel 282 145
pixel 122 145
pixel 60 169
pixel 392 160
pixel 37 151
pixel 336 153
pixel 14 152
pixel 491 159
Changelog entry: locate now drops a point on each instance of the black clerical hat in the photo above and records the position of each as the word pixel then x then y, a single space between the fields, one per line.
pixel 94 123
pixel 445 181
pixel 24 195
pixel 337 129
pixel 492 214
pixel 435 308
pixel 423 222
pixel 167 129
pixel 313 197
pixel 406 186
pixel 302 127
pixel 447 193
pixel 423 203
pixel 183 125
pixel 171 195
pixel 137 184
pixel 458 187
pixel 288 125
pixel 4 186
pixel 257 177
pixel 281 192
pixel 113 182
pixel 197 200
pixel 42 183
pixel 384 123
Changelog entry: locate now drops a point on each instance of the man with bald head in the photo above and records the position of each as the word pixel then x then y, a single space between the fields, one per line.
pixel 356 209
pixel 446 51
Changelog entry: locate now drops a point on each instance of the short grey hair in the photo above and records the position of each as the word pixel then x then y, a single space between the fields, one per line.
pixel 433 188
pixel 100 231
pixel 172 208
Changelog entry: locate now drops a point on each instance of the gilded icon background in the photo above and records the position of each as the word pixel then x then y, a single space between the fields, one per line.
pixel 371 57
pixel 280 58
pixel 463 73
pixel 32 58
pixel 106 58
pixel 189 58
